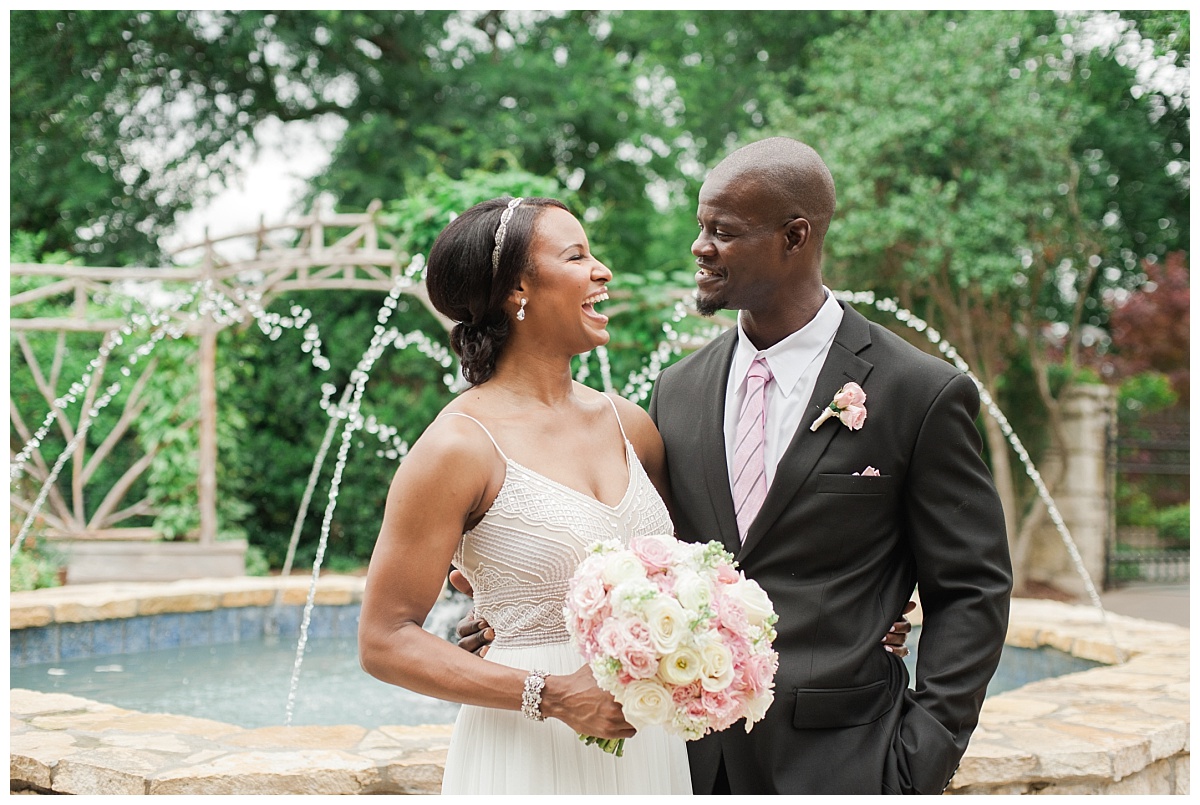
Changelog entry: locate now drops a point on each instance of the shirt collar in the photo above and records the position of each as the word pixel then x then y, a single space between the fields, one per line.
pixel 790 357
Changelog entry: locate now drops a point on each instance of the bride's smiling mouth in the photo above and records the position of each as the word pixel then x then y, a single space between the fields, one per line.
pixel 589 305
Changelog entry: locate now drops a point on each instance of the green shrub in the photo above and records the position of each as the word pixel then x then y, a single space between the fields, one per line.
pixel 1174 525
pixel 1144 393
pixel 335 563
pixel 32 569
pixel 256 561
pixel 1134 507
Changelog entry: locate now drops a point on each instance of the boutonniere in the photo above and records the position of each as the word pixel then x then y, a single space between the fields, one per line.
pixel 848 405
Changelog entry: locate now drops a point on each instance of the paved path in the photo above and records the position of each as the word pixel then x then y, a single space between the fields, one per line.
pixel 1166 603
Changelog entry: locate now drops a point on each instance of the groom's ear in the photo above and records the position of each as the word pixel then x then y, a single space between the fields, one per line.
pixel 798 232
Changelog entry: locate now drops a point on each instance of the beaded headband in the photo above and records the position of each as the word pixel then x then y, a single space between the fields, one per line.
pixel 501 230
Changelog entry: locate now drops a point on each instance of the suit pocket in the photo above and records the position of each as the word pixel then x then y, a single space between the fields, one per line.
pixel 832 708
pixel 829 483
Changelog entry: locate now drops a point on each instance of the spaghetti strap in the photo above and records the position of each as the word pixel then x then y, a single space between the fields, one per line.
pixel 485 430
pixel 619 425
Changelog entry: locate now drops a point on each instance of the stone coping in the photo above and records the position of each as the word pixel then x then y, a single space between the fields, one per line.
pixel 79 603
pixel 1117 729
pixel 1122 729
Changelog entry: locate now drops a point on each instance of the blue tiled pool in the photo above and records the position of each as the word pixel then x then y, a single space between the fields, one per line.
pixel 219 665
pixel 70 641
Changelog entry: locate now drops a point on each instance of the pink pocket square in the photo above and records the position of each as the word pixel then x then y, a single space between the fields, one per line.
pixel 869 472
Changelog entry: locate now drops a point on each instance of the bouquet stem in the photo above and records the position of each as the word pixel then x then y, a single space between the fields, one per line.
pixel 613 746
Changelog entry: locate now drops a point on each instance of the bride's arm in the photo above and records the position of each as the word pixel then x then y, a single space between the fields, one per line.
pixel 441 486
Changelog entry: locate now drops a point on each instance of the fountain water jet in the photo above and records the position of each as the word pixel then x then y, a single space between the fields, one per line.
pixel 910 320
pixel 349 411
pixel 346 410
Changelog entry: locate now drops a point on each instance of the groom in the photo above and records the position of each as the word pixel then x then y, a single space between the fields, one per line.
pixel 837 523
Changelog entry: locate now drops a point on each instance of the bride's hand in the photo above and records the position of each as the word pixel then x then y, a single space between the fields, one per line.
pixel 577 701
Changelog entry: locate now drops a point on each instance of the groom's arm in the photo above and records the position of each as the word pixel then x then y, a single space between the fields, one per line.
pixel 955 526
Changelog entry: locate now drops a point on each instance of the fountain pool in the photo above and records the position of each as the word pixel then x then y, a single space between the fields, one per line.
pixel 1122 727
pixel 245 682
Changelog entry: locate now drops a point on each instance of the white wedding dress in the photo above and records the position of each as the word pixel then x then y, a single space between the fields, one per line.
pixel 519 559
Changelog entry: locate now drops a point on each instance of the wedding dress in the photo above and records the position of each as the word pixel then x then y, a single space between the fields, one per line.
pixel 519 559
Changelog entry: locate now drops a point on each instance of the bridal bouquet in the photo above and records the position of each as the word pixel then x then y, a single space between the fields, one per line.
pixel 675 633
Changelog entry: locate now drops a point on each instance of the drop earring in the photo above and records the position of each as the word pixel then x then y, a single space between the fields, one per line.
pixel 521 312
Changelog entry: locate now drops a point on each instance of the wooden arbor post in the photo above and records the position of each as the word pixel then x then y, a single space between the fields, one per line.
pixel 207 480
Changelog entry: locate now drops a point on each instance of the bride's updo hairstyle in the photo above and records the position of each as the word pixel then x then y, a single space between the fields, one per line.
pixel 465 286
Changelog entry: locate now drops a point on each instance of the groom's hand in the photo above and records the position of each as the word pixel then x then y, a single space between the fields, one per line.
pixel 896 637
pixel 474 633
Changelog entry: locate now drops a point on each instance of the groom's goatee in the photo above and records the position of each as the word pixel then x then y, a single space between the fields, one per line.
pixel 707 307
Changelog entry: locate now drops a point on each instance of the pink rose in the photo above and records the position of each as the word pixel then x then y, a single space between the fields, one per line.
pixel 759 672
pixel 638 663
pixel 696 708
pixel 686 693
pixel 639 634
pixel 853 416
pixel 850 394
pixel 722 708
pixel 848 405
pixel 727 575
pixel 739 647
pixel 612 639
pixel 656 551
pixel 731 613
pixel 587 596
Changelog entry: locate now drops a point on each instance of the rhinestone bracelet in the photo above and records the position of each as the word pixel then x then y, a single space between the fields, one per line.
pixel 531 699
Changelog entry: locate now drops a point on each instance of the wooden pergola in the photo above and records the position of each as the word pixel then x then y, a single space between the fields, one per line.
pixel 289 257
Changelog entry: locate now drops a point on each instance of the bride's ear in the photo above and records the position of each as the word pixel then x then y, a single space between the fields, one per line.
pixel 516 302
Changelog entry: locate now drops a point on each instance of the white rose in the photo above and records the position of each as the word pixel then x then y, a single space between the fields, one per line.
pixel 622 567
pixel 646 703
pixel 692 590
pixel 680 667
pixel 754 601
pixel 667 622
pixel 756 708
pixel 716 665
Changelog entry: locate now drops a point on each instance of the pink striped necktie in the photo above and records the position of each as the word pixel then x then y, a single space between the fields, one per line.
pixel 750 469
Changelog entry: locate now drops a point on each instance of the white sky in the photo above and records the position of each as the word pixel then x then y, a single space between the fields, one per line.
pixel 270 185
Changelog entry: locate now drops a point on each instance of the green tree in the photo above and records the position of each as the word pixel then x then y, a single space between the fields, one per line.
pixel 958 142
pixel 123 120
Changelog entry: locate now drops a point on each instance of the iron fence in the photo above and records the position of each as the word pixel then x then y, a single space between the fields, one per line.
pixel 1157 566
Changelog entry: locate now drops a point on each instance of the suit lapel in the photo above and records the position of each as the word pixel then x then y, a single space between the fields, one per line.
pixel 712 437
pixel 841 366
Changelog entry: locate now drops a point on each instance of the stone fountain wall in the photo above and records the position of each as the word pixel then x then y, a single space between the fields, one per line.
pixel 1120 729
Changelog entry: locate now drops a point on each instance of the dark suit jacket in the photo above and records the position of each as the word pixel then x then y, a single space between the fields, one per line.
pixel 839 555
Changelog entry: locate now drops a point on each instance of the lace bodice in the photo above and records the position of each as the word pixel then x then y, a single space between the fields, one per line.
pixel 523 552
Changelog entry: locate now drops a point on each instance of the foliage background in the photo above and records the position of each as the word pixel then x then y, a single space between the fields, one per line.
pixel 1011 183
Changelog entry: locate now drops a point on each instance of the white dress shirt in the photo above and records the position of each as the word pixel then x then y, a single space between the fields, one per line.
pixel 795 363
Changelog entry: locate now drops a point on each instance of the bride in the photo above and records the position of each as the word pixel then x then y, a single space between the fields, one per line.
pixel 515 478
